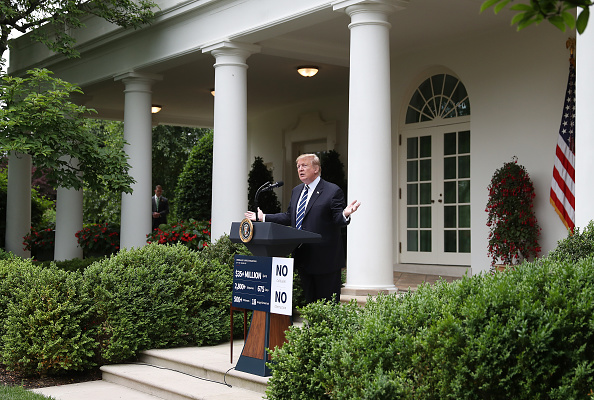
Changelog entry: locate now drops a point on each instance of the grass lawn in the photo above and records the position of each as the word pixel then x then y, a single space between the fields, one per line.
pixel 19 393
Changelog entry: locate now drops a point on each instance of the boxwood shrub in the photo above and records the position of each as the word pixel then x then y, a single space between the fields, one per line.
pixel 523 334
pixel 46 319
pixel 157 296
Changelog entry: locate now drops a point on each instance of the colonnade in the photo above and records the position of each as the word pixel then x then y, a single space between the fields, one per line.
pixel 370 241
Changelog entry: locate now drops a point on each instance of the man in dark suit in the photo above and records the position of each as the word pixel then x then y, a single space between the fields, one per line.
pixel 160 207
pixel 316 206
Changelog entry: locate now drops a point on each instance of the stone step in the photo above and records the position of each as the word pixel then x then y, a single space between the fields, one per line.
pixel 168 384
pixel 192 373
pixel 189 373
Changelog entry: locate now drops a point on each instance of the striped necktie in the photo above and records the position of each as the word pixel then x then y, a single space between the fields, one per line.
pixel 301 208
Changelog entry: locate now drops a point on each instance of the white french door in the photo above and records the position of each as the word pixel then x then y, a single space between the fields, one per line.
pixel 434 212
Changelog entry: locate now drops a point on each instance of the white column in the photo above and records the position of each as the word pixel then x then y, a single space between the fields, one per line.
pixel 370 244
pixel 69 220
pixel 230 165
pixel 136 207
pixel 584 132
pixel 18 203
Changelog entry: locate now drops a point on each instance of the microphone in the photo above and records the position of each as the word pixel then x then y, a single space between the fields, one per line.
pixel 273 186
pixel 264 188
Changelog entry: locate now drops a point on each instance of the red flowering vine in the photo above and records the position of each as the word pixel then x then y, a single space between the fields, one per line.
pixel 513 229
pixel 194 234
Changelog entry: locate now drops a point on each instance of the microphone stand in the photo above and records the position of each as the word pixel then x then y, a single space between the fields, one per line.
pixel 262 188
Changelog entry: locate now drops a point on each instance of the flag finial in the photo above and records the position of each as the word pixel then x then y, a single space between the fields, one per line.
pixel 570 44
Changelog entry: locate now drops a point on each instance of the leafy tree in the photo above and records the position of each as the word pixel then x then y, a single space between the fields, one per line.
pixel 258 175
pixel 194 188
pixel 39 119
pixel 103 205
pixel 52 20
pixel 557 12
pixel 171 147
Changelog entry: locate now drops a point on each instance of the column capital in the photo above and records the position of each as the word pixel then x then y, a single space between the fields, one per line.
pixel 230 48
pixel 134 76
pixel 386 6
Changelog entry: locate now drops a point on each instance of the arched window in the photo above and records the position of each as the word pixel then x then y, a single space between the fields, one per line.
pixel 441 96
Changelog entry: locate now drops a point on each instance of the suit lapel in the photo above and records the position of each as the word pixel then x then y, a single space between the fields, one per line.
pixel 314 196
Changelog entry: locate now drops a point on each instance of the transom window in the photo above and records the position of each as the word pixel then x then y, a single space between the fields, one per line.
pixel 440 96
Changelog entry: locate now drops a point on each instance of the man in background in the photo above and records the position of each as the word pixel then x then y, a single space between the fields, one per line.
pixel 160 207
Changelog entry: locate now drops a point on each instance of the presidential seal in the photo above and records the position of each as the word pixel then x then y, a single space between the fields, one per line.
pixel 246 230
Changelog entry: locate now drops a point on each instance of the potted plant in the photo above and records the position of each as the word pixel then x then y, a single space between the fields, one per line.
pixel 513 229
pixel 40 243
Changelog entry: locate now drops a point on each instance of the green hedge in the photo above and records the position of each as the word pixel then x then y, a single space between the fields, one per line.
pixel 523 334
pixel 154 297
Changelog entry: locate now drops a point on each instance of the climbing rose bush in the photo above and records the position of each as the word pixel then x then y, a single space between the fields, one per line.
pixel 193 234
pixel 99 239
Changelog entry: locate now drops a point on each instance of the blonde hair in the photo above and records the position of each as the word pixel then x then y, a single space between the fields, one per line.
pixel 315 160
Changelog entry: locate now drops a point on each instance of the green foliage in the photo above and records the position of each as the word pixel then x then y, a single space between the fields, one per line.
pixel 40 242
pixel 102 205
pixel 299 366
pixel 99 240
pixel 223 251
pixel 560 13
pixel 333 169
pixel 194 189
pixel 47 321
pixel 171 148
pixel 53 21
pixel 192 234
pixel 158 296
pixel 576 246
pixel 19 393
pixel 513 229
pixel 75 264
pixel 62 146
pixel 154 297
pixel 527 332
pixel 258 175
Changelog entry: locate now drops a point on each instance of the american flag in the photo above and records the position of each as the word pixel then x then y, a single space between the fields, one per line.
pixel 563 184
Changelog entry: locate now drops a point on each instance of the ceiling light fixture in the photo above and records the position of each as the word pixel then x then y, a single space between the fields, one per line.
pixel 155 108
pixel 212 91
pixel 307 70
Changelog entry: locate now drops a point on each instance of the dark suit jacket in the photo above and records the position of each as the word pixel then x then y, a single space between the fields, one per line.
pixel 163 209
pixel 324 216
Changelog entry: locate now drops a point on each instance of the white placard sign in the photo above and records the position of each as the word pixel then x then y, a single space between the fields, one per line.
pixel 281 286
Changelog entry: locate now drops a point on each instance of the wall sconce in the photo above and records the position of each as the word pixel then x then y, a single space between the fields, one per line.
pixel 212 91
pixel 307 70
pixel 155 108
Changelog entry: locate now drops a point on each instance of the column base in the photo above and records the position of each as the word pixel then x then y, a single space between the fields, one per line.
pixel 360 295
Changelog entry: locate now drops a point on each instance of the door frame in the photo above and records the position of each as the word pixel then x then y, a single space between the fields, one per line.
pixel 437 256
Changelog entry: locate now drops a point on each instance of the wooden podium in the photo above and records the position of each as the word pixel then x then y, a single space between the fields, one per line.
pixel 267 330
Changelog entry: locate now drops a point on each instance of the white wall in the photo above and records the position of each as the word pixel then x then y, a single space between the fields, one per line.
pixel 516 84
pixel 266 135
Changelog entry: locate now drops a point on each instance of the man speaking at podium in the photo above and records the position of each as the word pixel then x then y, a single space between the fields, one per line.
pixel 316 206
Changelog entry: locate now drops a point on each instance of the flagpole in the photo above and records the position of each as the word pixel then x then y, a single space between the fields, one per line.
pixel 562 194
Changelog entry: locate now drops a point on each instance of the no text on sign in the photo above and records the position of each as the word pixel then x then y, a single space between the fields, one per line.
pixel 263 284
